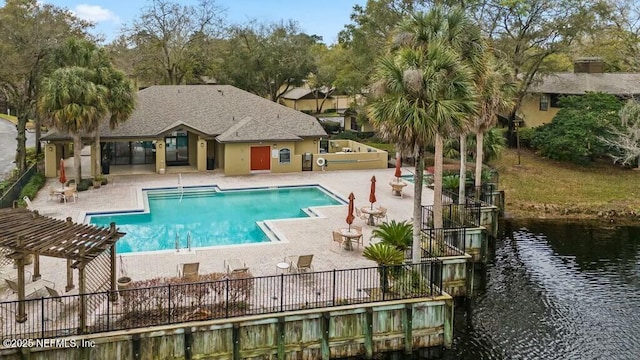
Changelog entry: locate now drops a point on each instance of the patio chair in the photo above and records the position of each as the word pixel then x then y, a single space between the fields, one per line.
pixel 360 240
pixel 300 263
pixel 69 195
pixel 189 271
pixel 53 194
pixel 32 290
pixel 338 239
pixel 64 305
pixel 382 215
pixel 30 206
pixel 360 214
pixel 234 266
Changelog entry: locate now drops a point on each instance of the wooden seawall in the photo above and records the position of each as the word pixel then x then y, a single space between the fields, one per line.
pixel 354 330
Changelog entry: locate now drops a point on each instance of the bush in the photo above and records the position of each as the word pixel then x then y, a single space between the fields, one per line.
pixel 575 133
pixel 33 186
pixel 84 184
pixel 345 135
pixel 526 136
pixel 331 127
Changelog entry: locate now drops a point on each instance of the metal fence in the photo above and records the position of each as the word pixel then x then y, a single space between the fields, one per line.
pixel 13 192
pixel 440 243
pixel 453 216
pixel 232 296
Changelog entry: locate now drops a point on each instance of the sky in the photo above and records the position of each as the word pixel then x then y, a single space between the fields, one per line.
pixel 324 18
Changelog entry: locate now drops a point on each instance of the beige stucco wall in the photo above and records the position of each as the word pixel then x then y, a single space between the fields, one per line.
pixel 51 161
pixel 530 111
pixel 296 161
pixel 237 159
pixel 219 155
pixel 347 125
pixel 161 155
pixel 361 157
pixel 201 155
pixel 193 148
pixel 311 145
pixel 309 105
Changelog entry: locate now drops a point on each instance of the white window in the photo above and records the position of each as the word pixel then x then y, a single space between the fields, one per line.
pixel 285 156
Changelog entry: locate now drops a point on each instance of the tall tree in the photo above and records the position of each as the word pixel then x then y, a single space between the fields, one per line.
pixel 166 36
pixel 528 32
pixel 268 59
pixel 364 40
pixel 29 30
pixel 422 90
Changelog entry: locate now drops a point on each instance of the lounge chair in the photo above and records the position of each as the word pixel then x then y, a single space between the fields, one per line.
pixel 188 271
pixel 339 239
pixel 53 194
pixel 300 263
pixel 32 290
pixel 235 266
pixel 65 305
pixel 30 206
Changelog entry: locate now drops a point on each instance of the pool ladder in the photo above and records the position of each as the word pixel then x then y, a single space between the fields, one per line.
pixel 188 242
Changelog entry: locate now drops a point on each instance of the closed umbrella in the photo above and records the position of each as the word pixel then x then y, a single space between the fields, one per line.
pixel 63 177
pixel 350 216
pixel 372 193
pixel 398 172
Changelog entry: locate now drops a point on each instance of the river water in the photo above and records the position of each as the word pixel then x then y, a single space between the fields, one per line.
pixel 553 290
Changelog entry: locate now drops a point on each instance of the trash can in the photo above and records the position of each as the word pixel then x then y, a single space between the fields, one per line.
pixel 210 163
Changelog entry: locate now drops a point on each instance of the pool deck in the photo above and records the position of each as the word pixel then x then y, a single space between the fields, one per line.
pixel 301 236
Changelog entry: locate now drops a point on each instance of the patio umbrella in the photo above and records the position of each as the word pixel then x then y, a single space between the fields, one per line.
pixel 398 172
pixel 63 177
pixel 350 216
pixel 372 194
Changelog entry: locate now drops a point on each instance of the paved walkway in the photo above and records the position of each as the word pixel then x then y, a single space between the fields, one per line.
pixel 301 236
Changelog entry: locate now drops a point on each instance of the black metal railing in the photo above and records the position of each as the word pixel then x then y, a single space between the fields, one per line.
pixel 437 243
pixel 453 216
pixel 13 193
pixel 226 298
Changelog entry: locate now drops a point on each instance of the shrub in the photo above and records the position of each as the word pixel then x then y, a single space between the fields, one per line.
pixel 84 184
pixel 345 135
pixel 526 137
pixel 330 127
pixel 33 186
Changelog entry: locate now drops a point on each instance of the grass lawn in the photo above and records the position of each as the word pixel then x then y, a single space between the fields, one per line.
pixel 13 119
pixel 541 187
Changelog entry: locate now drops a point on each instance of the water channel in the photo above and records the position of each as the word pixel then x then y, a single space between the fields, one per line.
pixel 553 290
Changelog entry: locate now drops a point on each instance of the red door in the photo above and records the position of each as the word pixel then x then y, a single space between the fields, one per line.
pixel 260 158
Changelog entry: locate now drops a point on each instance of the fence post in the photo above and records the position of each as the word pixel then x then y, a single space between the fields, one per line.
pixel 169 300
pixel 281 292
pixel 333 293
pixel 108 309
pixel 42 314
pixel 227 298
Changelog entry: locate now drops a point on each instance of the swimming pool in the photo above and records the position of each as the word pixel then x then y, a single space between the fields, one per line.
pixel 210 216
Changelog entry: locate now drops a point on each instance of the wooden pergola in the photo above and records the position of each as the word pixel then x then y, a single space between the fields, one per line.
pixel 24 232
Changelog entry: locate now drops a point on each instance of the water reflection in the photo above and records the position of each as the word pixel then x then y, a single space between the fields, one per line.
pixel 553 291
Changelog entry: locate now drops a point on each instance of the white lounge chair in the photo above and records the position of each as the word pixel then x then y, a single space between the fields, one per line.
pixel 32 290
pixel 189 271
pixel 235 266
pixel 300 263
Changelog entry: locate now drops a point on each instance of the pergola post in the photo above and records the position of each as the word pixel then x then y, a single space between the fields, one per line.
pixel 82 290
pixel 21 315
pixel 114 293
pixel 36 267
pixel 70 284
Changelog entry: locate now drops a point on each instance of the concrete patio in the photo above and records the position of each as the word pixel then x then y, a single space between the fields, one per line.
pixel 300 236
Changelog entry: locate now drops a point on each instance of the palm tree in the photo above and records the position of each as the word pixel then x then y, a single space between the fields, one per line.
pixel 120 96
pixel 422 91
pixel 496 93
pixel 73 103
pixel 396 234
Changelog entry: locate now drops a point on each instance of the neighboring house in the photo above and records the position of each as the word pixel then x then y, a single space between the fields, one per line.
pixel 541 104
pixel 306 100
pixel 205 127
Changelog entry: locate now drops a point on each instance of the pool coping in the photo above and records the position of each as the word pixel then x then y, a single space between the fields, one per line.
pixel 273 234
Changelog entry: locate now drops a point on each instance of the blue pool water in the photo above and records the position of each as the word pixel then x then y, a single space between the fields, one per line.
pixel 211 217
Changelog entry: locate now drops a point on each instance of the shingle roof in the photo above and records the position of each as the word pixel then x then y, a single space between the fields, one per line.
pixel 250 129
pixel 579 83
pixel 211 109
pixel 300 93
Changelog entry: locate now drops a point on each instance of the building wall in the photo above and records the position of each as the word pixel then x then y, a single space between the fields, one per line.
pixel 295 163
pixel 219 155
pixel 237 159
pixel 363 128
pixel 311 145
pixel 530 110
pixel 309 105
pixel 193 148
